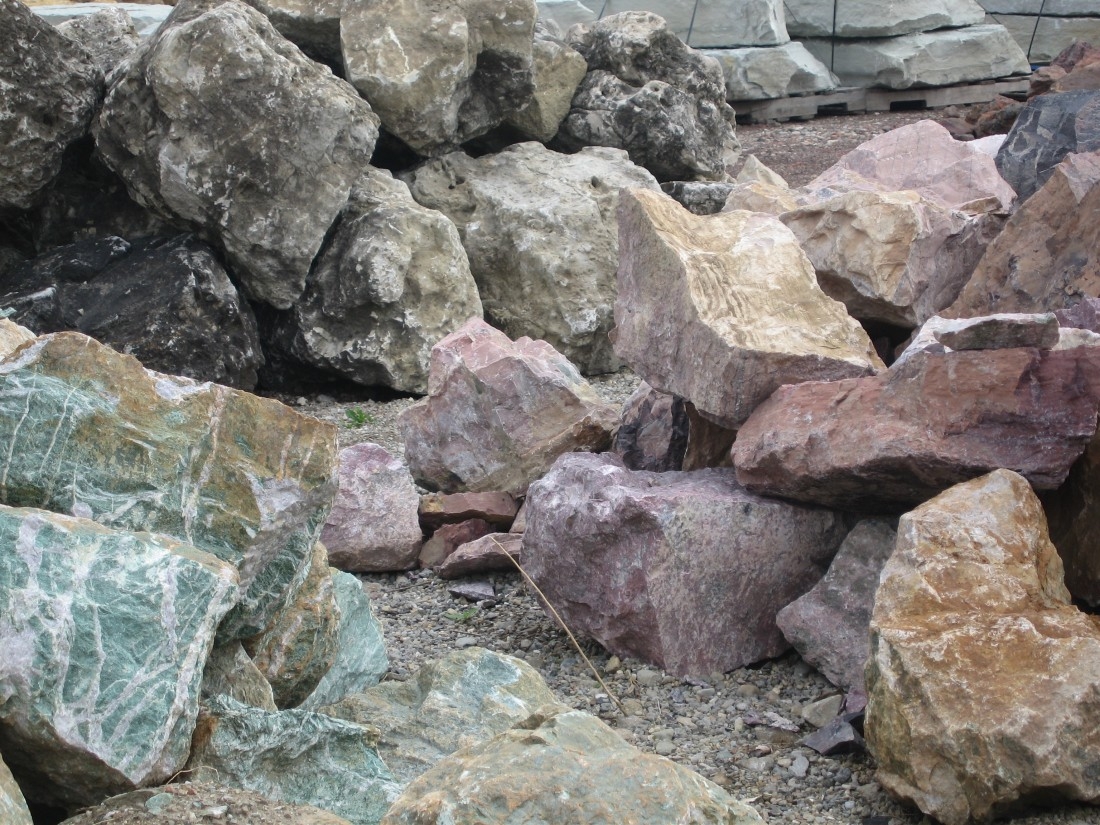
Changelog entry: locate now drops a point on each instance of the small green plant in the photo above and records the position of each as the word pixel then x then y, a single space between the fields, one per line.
pixel 357 418
pixel 461 616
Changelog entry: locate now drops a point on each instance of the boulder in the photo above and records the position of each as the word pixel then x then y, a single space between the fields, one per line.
pixel 558 70
pixel 830 625
pixel 13 807
pixel 935 58
pixel 1002 331
pixel 108 35
pixel 498 413
pixel 1049 128
pixel 92 432
pixel 298 646
pixel 982 678
pixel 563 765
pixel 392 280
pixel 361 659
pixel 461 700
pixel 698 197
pixel 180 803
pixel 653 431
pixel 146 17
pixel 682 570
pixel 1046 257
pixel 51 90
pixel 493 551
pixel 648 93
pixel 373 526
pixel 230 671
pixel 437 509
pixel 564 13
pixel 1071 513
pixel 440 72
pixel 722 310
pixel 713 23
pixel 768 72
pixel 311 25
pixel 876 18
pixel 1044 38
pixel 219 122
pixel 166 301
pixel 294 756
pixel 539 229
pixel 933 420
pixel 106 633
pixel 449 537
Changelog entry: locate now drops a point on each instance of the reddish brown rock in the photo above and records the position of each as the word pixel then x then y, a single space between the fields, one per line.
pixel 499 412
pixel 490 552
pixel 1048 255
pixel 497 508
pixel 683 570
pixel 931 421
pixel 983 678
pixel 449 538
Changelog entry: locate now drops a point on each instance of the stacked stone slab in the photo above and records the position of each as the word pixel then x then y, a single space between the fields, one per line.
pixel 1043 29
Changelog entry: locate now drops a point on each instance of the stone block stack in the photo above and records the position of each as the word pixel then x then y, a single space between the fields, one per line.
pixel 1043 29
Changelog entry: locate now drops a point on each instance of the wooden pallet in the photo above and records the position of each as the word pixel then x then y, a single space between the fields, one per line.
pixel 853 100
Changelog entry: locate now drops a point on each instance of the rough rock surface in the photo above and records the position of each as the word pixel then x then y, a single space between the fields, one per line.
pixel 231 672
pixel 311 25
pixel 13 807
pixel 721 310
pixel 440 72
pixel 1046 37
pixel 1046 257
pixel 1071 512
pixel 392 280
pixel 558 70
pixel 490 552
pixel 682 570
pixel 91 432
pixel 648 93
pixel 13 336
pixel 220 122
pixel 374 523
pixel 539 229
pixel 830 625
pixel 437 509
pixel 449 537
pixel 983 678
pixel 498 413
pixel 931 421
pixel 1048 128
pixel 166 301
pixel 108 35
pixel 294 756
pixel 712 23
pixel 51 88
pixel 878 18
pixel 767 72
pixel 563 766
pixel 653 431
pixel 106 633
pixel 460 700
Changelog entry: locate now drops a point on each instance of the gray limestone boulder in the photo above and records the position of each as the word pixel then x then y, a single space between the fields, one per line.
pixel 765 73
pixel 440 72
pixel 705 24
pixel 498 413
pixel 878 18
pixel 539 229
pixel 105 634
pixel 146 17
pixel 221 123
pixel 391 281
pixel 683 570
pixel 52 88
pixel 650 94
pixel 564 13
pixel 311 25
pixel 109 36
pixel 558 70
pixel 937 58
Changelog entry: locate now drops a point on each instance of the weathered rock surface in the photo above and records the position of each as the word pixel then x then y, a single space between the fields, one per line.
pixel 147 17
pixel 648 93
pixel 13 336
pixel 545 768
pixel 166 301
pixel 440 72
pixel 361 659
pixel 684 570
pixel 311 25
pixel 230 671
pixel 449 537
pixel 13 807
pixel 51 90
pixel 931 421
pixel 105 635
pixel 935 58
pixel 461 700
pixel 875 18
pixel 1045 37
pixel 558 70
pixel 712 23
pixel 653 431
pixel 539 229
pixel 983 677
pixel 89 431
pixel 374 524
pixel 1046 257
pixel 764 73
pixel 298 646
pixel 830 625
pixel 108 35
pixel 392 280
pixel 1071 513
pixel 437 509
pixel 498 413
pixel 492 551
pixel 1049 128
pixel 722 310
pixel 258 150
pixel 294 756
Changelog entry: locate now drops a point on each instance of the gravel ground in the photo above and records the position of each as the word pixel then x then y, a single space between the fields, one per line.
pixel 699 723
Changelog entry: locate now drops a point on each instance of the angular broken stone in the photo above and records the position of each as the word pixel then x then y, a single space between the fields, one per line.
pixel 982 679
pixel 108 34
pixel 230 671
pixel 878 18
pixel 711 24
pixel 838 736
pixel 558 70
pixel 769 72
pixel 721 310
pixel 601 541
pixel 437 509
pixel 653 431
pixel 449 537
pixel 13 336
pixel 493 551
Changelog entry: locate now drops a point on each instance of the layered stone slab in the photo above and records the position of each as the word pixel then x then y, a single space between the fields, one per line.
pixel 714 23
pixel 878 18
pixel 764 73
pixel 1044 38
